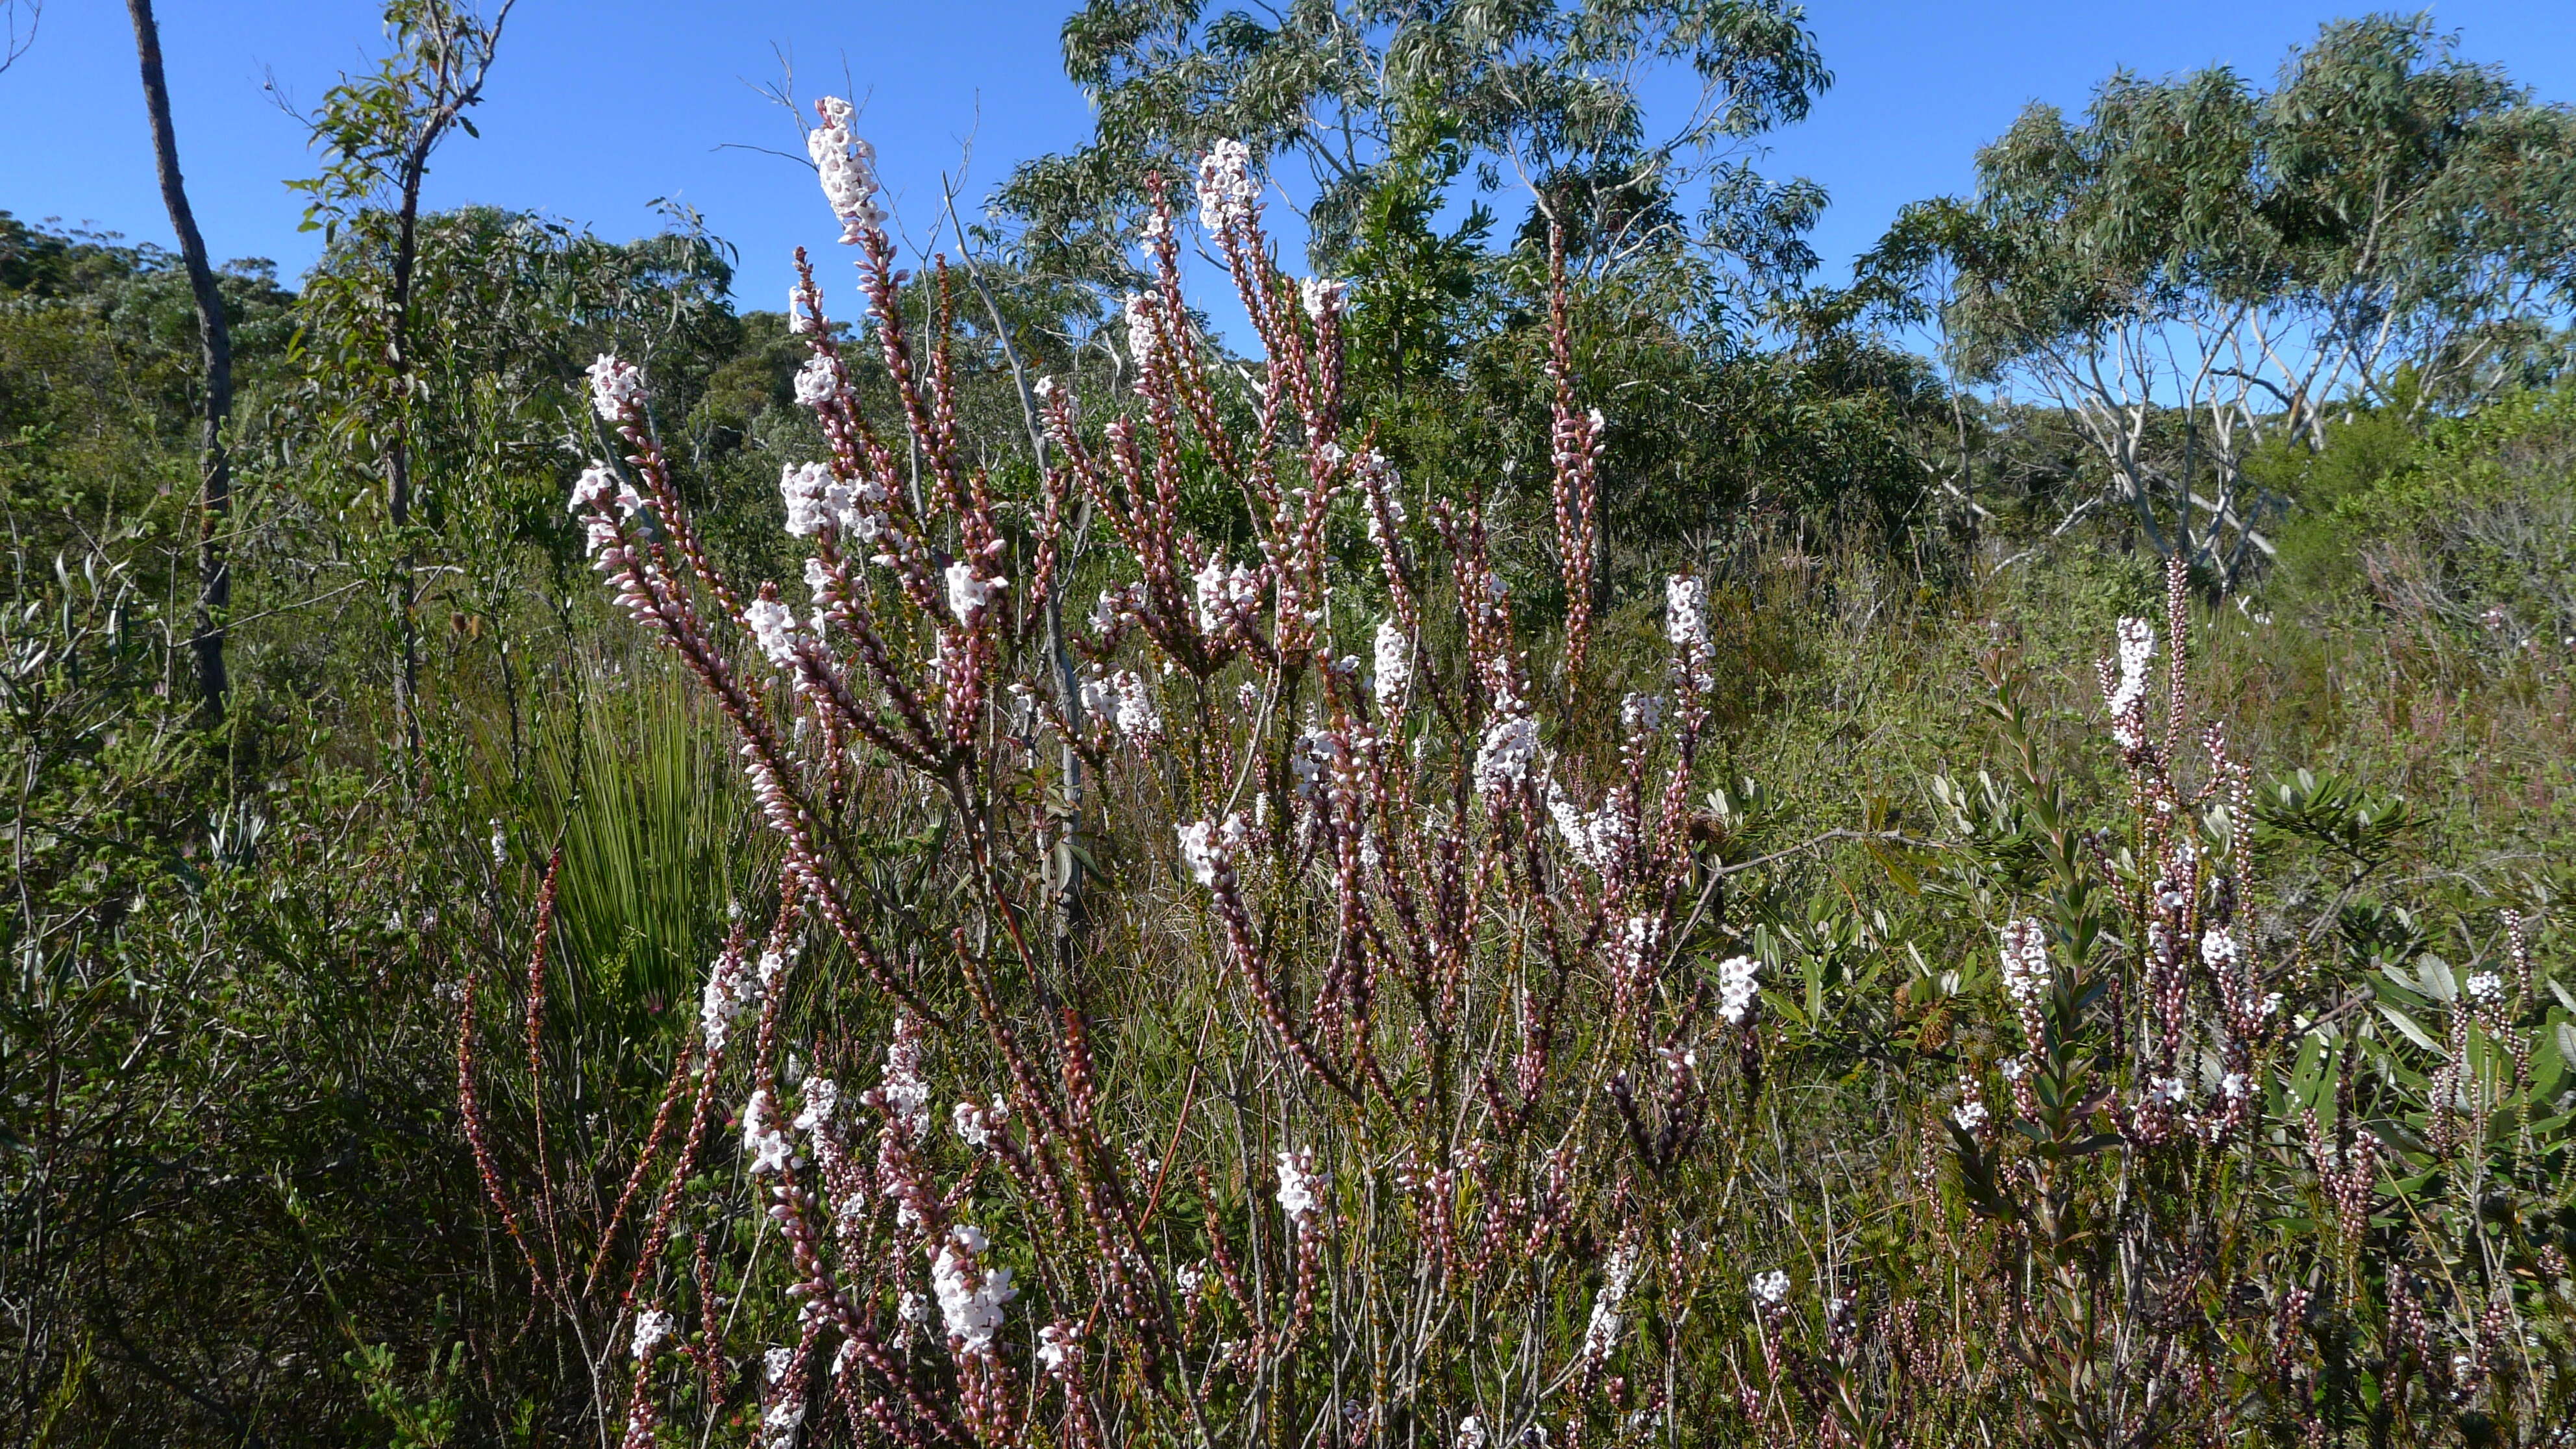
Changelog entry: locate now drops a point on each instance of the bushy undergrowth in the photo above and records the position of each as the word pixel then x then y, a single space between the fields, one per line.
pixel 1286 1005
pixel 1316 995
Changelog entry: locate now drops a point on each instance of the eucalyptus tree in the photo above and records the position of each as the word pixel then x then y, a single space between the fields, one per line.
pixel 215 468
pixel 2196 266
pixel 1437 151
pixel 2425 210
pixel 503 310
pixel 378 131
pixel 1368 98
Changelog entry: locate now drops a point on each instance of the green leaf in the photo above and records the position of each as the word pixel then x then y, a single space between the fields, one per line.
pixel 2440 981
pixel 2308 1077
pixel 2402 979
pixel 2406 1024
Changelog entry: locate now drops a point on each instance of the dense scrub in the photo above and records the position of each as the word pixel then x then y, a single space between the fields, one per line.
pixel 1078 888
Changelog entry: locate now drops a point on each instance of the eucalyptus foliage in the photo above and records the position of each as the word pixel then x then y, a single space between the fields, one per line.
pixel 2388 220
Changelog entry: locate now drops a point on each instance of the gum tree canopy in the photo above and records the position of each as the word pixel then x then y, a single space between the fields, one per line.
pixel 1361 91
pixel 2389 224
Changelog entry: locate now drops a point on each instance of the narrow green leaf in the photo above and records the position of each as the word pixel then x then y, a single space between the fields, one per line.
pixel 2406 1024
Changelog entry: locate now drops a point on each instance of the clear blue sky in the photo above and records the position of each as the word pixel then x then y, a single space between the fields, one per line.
pixel 598 108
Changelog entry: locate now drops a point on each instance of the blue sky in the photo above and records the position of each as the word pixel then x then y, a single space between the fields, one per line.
pixel 596 109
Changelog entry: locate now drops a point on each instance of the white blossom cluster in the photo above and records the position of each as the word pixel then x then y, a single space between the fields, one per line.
pixel 1127 702
pixel 1394 665
pixel 2486 987
pixel 979 1125
pixel 1301 1187
pixel 814 497
pixel 2218 948
pixel 1640 939
pixel 592 494
pixel 1115 607
pixel 1510 747
pixel 1738 977
pixel 652 1327
pixel 728 991
pixel 1377 465
pixel 778 1426
pixel 818 381
pixel 1686 611
pixel 822 1098
pixel 1225 595
pixel 773 628
pixel 1208 848
pixel 615 386
pixel 2170 896
pixel 1058 1347
pixel 802 303
pixel 2025 960
pixel 768 1148
pixel 1686 628
pixel 1770 1288
pixel 1641 714
pixel 1602 1333
pixel 1322 297
pixel 1593 837
pixel 847 167
pixel 1971 1112
pixel 1226 190
pixel 902 1089
pixel 970 593
pixel 970 1295
pixel 2137 640
pixel 1310 759
pixel 1144 334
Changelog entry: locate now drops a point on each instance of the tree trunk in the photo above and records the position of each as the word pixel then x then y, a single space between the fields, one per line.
pixel 214 463
pixel 398 448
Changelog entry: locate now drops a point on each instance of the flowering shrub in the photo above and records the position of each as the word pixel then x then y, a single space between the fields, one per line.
pixel 1227 1010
